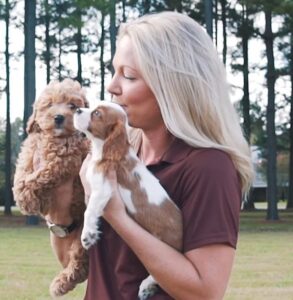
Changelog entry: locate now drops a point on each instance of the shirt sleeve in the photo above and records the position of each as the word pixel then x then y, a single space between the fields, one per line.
pixel 211 200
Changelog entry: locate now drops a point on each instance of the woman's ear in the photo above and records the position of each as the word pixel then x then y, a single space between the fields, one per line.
pixel 116 145
pixel 32 125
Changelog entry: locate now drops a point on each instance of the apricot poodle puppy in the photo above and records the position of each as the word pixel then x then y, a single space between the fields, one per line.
pixel 47 182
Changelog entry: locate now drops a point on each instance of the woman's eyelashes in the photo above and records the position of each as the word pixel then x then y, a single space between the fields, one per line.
pixel 128 73
pixel 129 77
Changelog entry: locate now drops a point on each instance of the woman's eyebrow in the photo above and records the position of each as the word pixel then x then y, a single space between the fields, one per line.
pixel 129 67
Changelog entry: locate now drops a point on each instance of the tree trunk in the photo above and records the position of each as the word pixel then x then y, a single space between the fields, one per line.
pixel 79 51
pixel 29 58
pixel 272 212
pixel 216 17
pixel 123 11
pixel 209 16
pixel 102 64
pixel 146 6
pixel 47 41
pixel 112 30
pixel 8 198
pixel 29 69
pixel 246 101
pixel 290 197
pixel 249 204
pixel 59 41
pixel 224 22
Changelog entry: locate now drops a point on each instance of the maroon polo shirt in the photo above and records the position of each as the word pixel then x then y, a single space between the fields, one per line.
pixel 205 186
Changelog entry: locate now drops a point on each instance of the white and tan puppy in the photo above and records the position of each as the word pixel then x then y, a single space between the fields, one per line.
pixel 145 199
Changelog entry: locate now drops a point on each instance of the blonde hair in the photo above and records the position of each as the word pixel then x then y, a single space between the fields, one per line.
pixel 181 66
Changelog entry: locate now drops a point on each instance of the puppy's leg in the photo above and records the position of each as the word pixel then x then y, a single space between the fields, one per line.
pixel 74 260
pixel 23 193
pixel 147 288
pixel 98 200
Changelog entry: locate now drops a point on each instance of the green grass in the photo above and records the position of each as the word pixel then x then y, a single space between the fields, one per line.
pixel 264 258
pixel 263 267
pixel 27 263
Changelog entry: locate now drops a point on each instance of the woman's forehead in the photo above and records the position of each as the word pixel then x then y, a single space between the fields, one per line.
pixel 125 55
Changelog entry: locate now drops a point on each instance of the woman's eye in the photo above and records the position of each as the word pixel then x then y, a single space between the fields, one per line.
pixel 72 106
pixel 129 77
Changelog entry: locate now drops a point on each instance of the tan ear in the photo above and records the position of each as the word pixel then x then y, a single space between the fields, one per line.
pixel 32 125
pixel 116 145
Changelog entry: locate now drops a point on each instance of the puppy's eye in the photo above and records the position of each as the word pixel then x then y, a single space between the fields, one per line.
pixel 72 106
pixel 97 113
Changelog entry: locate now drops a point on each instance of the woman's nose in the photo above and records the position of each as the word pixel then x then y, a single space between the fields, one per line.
pixel 114 87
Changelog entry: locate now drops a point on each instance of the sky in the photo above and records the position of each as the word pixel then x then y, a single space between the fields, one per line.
pixel 17 70
pixel 257 79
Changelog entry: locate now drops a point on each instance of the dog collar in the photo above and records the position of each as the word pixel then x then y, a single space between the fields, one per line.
pixel 61 230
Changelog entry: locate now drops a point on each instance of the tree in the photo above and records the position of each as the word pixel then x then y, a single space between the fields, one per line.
pixel 209 16
pixel 8 195
pixel 290 196
pixel 113 30
pixel 29 58
pixel 48 39
pixel 102 64
pixel 272 212
pixel 246 34
pixel 244 29
pixel 224 22
pixel 29 68
pixel 287 11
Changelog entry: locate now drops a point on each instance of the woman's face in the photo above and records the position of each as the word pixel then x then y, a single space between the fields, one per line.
pixel 131 91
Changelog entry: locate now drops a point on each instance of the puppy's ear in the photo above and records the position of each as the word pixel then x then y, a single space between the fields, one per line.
pixel 32 125
pixel 116 145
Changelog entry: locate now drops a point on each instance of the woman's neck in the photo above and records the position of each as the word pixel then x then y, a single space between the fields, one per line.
pixel 154 145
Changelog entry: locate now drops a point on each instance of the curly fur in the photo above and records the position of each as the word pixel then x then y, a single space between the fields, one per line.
pixel 48 168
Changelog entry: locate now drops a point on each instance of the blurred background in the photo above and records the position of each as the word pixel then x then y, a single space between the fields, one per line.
pixel 44 40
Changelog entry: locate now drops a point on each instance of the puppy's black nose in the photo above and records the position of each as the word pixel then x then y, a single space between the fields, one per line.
pixel 59 119
pixel 78 111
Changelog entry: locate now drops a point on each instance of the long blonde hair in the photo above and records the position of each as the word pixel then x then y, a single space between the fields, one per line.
pixel 181 66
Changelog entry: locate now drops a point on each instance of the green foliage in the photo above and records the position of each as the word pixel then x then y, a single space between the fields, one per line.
pixel 258 121
pixel 16 139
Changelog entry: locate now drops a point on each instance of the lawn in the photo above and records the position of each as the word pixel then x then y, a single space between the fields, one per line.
pixel 27 264
pixel 262 270
pixel 264 259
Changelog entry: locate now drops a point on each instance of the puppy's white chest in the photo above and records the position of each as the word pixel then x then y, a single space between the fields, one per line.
pixel 93 177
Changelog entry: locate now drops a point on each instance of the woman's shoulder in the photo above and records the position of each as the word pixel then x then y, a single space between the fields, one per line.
pixel 209 157
pixel 200 157
pixel 209 164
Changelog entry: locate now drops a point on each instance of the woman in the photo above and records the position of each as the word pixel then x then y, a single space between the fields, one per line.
pixel 172 85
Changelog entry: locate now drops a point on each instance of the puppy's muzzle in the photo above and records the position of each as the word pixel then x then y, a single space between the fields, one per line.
pixel 59 119
pixel 78 111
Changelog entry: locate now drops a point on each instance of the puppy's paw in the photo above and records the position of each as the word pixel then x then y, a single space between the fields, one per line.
pixel 61 285
pixel 148 288
pixel 89 237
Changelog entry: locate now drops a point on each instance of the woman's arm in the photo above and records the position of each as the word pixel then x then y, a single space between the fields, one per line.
pixel 202 273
